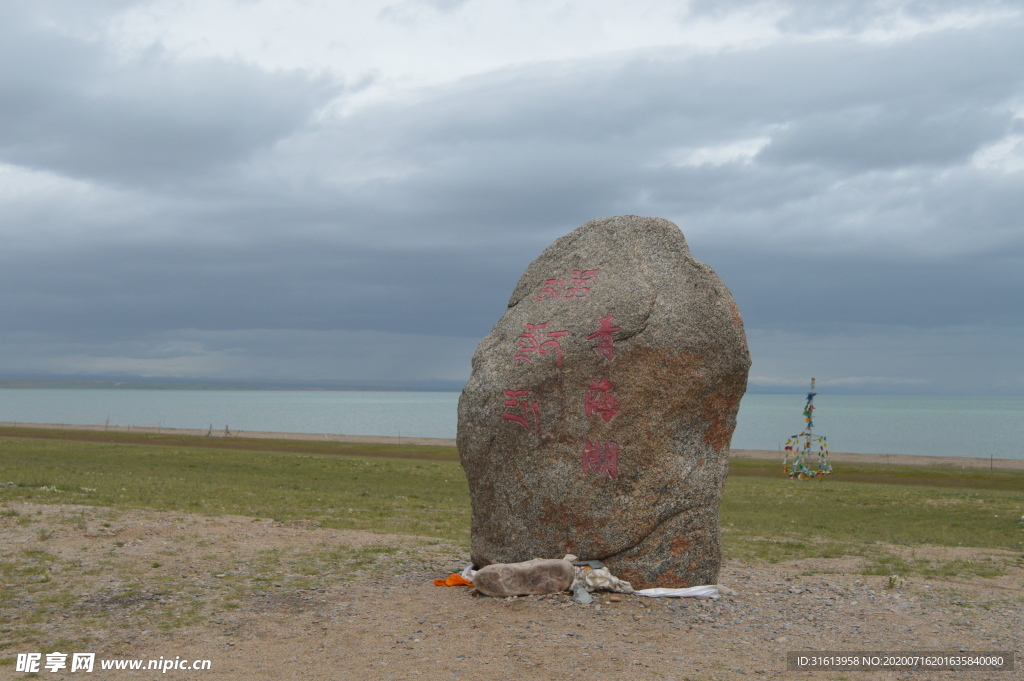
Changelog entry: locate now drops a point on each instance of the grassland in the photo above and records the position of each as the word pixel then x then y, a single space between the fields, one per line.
pixel 889 520
pixel 421 497
pixel 422 491
pixel 234 443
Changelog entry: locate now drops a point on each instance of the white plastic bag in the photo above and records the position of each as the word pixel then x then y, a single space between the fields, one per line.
pixel 710 591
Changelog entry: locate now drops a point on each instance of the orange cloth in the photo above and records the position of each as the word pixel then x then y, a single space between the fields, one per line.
pixel 453 580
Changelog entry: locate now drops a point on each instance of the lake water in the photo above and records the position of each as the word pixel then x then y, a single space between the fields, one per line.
pixel 870 424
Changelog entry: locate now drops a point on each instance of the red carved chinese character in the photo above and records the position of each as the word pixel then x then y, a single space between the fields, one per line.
pixel 578 279
pixel 601 458
pixel 605 346
pixel 599 399
pixel 517 400
pixel 555 289
pixel 552 289
pixel 533 341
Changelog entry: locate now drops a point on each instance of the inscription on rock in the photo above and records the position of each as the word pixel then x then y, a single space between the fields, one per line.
pixel 598 415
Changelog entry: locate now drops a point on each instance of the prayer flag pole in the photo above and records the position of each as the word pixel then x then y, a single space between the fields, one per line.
pixel 797 464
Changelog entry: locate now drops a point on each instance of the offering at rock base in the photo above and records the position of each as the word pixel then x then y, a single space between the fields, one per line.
pixel 598 415
pixel 526 578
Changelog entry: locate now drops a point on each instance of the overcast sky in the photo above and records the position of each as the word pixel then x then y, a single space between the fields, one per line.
pixel 291 191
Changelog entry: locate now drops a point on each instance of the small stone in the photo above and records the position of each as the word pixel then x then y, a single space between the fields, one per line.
pixel 538 576
pixel 580 594
pixel 615 599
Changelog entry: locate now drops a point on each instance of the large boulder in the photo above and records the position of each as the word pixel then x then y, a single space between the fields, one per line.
pixel 598 416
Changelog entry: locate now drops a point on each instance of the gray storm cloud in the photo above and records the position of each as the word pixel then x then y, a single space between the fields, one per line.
pixel 75 107
pixel 213 219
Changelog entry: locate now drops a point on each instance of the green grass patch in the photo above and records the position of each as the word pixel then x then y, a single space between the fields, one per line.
pixel 836 510
pixel 920 476
pixel 888 564
pixel 984 567
pixel 748 548
pixel 760 507
pixel 883 563
pixel 236 443
pixel 409 496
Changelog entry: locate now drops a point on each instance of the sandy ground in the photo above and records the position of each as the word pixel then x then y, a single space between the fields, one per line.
pixel 135 575
pixel 837 457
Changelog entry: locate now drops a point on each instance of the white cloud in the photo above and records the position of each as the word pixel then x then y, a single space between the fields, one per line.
pixel 899 25
pixel 740 151
pixel 1004 156
pixel 57 207
pixel 869 21
pixel 22 186
pixel 406 45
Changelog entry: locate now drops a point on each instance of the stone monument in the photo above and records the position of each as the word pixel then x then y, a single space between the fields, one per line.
pixel 598 415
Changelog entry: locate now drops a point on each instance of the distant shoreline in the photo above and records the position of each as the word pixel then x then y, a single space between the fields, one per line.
pixel 964 462
pixel 241 434
pixel 414 387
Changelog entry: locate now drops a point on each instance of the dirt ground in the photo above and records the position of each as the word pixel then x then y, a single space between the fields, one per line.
pixel 262 600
